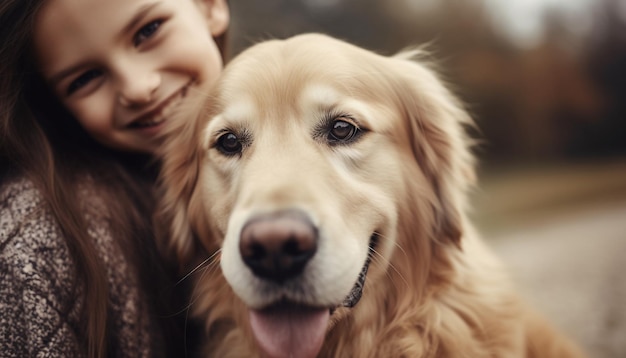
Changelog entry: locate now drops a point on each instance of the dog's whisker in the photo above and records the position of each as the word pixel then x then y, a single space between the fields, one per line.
pixel 388 274
pixel 373 251
pixel 199 266
pixel 394 282
pixel 394 242
pixel 389 263
pixel 191 301
pixel 194 296
pixel 211 269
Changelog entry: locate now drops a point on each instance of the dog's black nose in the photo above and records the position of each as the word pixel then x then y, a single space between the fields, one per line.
pixel 278 246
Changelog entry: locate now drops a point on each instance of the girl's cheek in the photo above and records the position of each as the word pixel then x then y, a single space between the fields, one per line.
pixel 93 115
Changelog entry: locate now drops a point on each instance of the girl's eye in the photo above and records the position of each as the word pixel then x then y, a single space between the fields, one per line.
pixel 83 80
pixel 147 31
pixel 342 132
pixel 229 144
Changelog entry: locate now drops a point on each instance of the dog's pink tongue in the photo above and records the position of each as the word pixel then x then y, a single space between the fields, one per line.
pixel 290 332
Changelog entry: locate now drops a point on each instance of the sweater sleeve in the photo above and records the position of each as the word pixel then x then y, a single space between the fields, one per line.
pixel 39 306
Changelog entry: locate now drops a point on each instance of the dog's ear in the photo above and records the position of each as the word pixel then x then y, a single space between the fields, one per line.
pixel 436 121
pixel 180 156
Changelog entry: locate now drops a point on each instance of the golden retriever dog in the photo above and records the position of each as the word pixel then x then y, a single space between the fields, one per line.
pixel 320 192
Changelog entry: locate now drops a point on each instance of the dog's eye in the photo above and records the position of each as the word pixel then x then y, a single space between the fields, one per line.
pixel 229 144
pixel 342 132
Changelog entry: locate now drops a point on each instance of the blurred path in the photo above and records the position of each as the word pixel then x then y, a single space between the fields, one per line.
pixel 562 232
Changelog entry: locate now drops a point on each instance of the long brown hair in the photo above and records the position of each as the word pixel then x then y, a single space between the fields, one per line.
pixel 57 156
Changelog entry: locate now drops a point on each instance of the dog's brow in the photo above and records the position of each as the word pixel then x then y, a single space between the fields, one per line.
pixel 239 109
pixel 319 95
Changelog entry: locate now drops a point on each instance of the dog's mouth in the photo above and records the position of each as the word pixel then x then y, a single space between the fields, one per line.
pixel 289 329
pixel 357 290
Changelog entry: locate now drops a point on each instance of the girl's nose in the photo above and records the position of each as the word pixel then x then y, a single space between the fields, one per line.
pixel 137 88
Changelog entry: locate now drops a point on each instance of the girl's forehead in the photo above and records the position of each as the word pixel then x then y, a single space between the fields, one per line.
pixel 90 14
pixel 66 29
pixel 71 26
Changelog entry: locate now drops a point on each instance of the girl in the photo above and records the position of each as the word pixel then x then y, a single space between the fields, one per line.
pixel 85 88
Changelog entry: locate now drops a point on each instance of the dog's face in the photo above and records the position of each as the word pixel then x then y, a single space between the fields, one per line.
pixel 313 158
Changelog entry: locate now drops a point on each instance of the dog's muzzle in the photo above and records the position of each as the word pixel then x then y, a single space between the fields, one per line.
pixel 276 247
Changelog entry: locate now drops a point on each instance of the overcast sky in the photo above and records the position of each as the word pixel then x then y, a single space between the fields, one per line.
pixel 522 19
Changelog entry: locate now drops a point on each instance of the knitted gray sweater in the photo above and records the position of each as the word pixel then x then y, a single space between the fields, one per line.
pixel 39 310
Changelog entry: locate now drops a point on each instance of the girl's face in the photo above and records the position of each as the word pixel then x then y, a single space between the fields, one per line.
pixel 122 66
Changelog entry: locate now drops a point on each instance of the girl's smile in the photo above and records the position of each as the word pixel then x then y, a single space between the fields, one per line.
pixel 122 66
pixel 149 123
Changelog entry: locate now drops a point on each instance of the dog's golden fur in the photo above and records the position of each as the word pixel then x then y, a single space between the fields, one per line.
pixel 433 289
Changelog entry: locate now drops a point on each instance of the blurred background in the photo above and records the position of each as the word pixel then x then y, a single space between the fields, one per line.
pixel 545 80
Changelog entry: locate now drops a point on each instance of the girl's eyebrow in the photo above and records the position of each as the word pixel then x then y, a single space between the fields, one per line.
pixel 140 14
